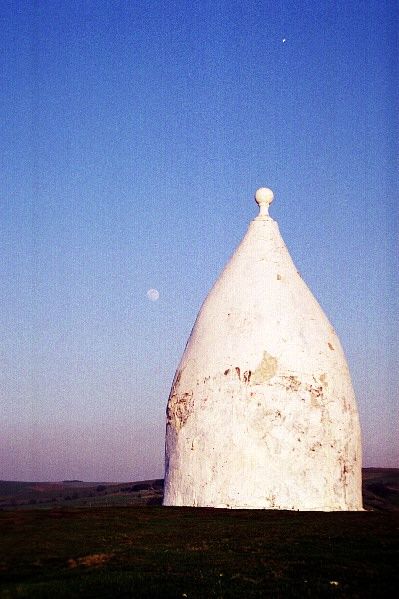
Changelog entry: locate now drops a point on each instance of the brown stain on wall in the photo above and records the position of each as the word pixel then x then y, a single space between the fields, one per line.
pixel 247 376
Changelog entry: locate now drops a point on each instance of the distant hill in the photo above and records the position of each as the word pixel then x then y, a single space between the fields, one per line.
pixel 381 489
pixel 22 495
pixel 380 492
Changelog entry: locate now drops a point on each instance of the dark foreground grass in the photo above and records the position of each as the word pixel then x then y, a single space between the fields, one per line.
pixel 182 552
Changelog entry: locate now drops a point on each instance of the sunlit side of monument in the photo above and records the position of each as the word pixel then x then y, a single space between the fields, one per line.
pixel 262 412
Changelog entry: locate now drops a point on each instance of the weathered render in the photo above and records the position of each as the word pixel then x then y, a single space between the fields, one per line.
pixel 262 413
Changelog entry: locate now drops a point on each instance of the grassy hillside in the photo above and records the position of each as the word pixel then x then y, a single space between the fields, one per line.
pixel 380 492
pixel 196 553
pixel 112 540
pixel 381 488
pixel 23 495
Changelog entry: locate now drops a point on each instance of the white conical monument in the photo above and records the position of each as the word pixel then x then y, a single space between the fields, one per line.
pixel 262 412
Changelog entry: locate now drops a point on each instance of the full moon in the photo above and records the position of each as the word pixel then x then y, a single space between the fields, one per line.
pixel 153 295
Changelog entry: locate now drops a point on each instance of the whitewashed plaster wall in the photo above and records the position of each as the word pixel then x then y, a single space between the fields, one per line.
pixel 262 413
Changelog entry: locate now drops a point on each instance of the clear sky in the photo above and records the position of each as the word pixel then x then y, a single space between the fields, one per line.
pixel 134 135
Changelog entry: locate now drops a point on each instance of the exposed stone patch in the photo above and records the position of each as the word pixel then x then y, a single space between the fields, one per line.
pixel 179 408
pixel 266 369
pixel 179 404
pixel 323 379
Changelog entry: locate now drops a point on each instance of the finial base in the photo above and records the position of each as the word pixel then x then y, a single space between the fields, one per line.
pixel 264 197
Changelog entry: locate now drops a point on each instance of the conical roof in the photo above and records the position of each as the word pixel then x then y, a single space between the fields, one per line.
pixel 262 412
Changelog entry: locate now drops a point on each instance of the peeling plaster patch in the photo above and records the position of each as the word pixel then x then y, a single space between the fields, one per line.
pixel 316 393
pixel 180 405
pixel 323 379
pixel 266 369
pixel 179 409
pixel 292 383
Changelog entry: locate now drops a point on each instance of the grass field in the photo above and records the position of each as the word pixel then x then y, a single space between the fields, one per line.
pixel 184 552
pixel 113 540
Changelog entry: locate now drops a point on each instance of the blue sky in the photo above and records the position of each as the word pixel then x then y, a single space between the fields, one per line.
pixel 135 135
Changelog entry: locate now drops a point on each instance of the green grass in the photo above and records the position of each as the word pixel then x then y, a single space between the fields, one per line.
pixel 176 552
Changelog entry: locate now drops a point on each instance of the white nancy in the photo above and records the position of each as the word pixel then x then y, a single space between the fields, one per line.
pixel 262 412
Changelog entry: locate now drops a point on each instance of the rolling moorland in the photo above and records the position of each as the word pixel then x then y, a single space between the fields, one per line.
pixel 380 492
pixel 76 539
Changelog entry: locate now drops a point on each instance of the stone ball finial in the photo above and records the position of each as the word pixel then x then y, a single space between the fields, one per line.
pixel 264 197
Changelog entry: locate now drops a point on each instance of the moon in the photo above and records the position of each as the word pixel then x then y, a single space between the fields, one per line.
pixel 153 295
